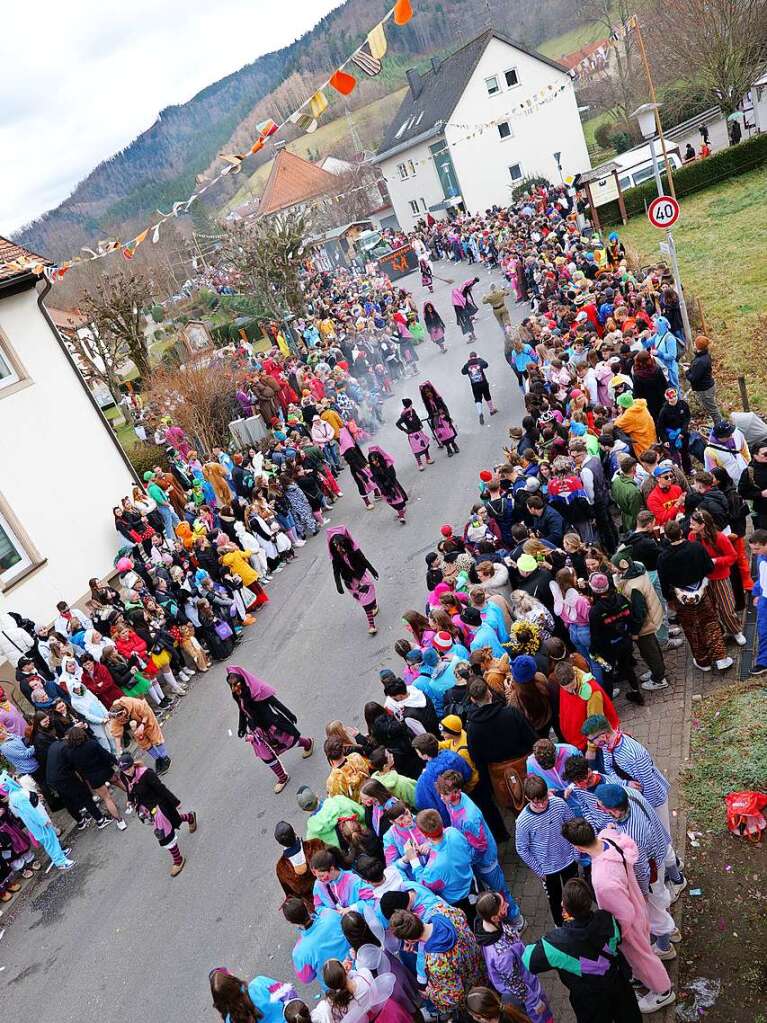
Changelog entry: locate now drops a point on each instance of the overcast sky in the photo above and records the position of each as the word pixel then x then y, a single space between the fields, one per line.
pixel 79 79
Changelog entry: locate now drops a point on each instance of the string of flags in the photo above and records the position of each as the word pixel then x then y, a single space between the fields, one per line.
pixel 367 59
pixel 519 110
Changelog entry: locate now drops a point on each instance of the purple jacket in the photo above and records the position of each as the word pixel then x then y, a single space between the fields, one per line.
pixel 512 980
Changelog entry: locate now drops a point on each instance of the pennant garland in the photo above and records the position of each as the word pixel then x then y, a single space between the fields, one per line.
pixel 305 118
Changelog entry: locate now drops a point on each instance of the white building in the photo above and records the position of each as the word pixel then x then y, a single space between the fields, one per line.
pixel 430 162
pixel 61 467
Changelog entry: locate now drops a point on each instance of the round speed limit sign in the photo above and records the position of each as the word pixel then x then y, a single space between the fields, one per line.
pixel 663 211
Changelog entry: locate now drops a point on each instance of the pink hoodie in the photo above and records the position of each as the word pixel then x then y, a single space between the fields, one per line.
pixel 617 891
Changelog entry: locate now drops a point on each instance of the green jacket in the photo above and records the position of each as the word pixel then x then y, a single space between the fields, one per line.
pixel 628 497
pixel 322 823
pixel 400 787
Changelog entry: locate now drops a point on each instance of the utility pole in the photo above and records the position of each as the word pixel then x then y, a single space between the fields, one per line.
pixel 634 23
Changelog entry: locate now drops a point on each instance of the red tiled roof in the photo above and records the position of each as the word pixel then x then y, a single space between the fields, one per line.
pixel 67 319
pixel 293 181
pixel 573 59
pixel 9 251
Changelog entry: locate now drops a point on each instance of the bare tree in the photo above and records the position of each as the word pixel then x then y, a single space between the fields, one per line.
pixel 268 255
pixel 114 303
pixel 199 396
pixel 720 45
pixel 622 90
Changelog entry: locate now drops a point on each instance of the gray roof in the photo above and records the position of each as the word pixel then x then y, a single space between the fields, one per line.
pixel 442 89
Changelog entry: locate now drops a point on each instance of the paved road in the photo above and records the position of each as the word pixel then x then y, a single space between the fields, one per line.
pixel 117 938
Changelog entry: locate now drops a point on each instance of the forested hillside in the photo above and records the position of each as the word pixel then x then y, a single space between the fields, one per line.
pixel 161 165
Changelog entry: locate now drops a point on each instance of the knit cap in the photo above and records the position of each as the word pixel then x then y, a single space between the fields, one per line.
pixel 614 797
pixel 523 668
pixel 526 563
pixel 442 642
pixel 625 400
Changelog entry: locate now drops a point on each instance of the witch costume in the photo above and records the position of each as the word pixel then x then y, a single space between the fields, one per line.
pixel 410 423
pixel 385 476
pixel 265 723
pixel 353 570
pixel 353 455
pixel 438 416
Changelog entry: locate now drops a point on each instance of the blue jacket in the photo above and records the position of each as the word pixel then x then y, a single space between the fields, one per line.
pixel 426 795
pixel 487 636
pixel 448 870
pixel 322 940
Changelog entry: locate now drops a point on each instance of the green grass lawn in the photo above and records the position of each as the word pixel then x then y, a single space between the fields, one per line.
pixel 720 242
pixel 569 42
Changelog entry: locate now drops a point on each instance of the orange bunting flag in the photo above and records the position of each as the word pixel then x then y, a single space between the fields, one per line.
pixel 403 12
pixel 343 82
pixel 257 146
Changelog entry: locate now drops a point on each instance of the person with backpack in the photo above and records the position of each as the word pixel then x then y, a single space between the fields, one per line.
pixel 474 369
pixel 611 624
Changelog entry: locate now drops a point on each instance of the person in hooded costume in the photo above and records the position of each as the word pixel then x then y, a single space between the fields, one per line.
pixel 664 343
pixel 352 454
pixel 27 806
pixel 381 465
pixel 410 423
pixel 293 873
pixel 264 722
pixel 439 418
pixel 351 569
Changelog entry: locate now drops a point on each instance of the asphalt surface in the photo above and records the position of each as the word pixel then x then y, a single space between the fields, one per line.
pixel 117 938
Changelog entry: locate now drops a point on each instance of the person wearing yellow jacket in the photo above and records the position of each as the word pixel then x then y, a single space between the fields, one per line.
pixel 636 422
pixel 238 561
pixel 454 739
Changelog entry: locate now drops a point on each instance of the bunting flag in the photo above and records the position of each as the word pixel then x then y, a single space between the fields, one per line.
pixel 305 118
pixel 342 82
pixel 403 12
pixel 367 63
pixel 377 42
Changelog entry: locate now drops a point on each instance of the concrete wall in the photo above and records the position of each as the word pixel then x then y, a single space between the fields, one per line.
pixel 422 186
pixel 60 473
pixel 482 163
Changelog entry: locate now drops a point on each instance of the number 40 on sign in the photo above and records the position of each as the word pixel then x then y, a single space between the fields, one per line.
pixel 663 212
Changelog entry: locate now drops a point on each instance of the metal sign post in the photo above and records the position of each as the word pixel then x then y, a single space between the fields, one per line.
pixel 671 248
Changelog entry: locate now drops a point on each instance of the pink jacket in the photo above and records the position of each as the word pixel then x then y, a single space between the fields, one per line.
pixel 617 891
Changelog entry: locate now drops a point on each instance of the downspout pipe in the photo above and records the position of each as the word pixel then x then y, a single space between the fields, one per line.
pixel 96 407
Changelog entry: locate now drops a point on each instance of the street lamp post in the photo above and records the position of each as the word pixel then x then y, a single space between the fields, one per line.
pixel 649 118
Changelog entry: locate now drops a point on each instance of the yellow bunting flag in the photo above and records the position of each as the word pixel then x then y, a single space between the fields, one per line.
pixel 318 104
pixel 342 82
pixel 377 42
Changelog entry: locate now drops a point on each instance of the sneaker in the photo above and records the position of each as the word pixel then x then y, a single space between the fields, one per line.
pixel 279 569
pixel 759 669
pixel 723 665
pixel 128 809
pixel 83 824
pixel 494 412
pixel 299 543
pixel 67 865
pixel 372 630
pixel 645 675
pixel 701 667
pixel 674 643
pixel 280 785
pixel 121 824
pixel 163 764
pixel 676 888
pixel 652 1002
pixel 325 522
pixel 103 823
pixel 192 822
pixel 308 752
pixel 664 953
pixel 176 869
pixel 651 685
pixel 739 638
pixel 634 697
pixel 481 419
pixel 675 936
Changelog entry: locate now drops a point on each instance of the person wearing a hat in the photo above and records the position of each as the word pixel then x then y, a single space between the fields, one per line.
pixel 454 739
pixel 156 805
pixel 324 814
pixel 410 424
pixel 25 804
pixel 533 579
pixel 666 499
pixel 140 718
pixel 727 448
pixel 612 624
pixel 636 422
pixel 483 633
pixel 615 887
pixel 528 692
pixel 632 814
pixel 466 817
pixel 700 377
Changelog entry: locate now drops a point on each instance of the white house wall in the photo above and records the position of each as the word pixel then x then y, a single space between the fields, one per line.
pixel 482 163
pixel 60 473
pixel 422 187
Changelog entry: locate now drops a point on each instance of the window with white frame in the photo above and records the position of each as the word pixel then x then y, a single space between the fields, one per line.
pixel 414 207
pixel 516 172
pixel 402 170
pixel 505 130
pixel 14 557
pixel 424 206
pixel 510 77
pixel 8 374
pixel 411 168
pixel 13 376
pixel 492 86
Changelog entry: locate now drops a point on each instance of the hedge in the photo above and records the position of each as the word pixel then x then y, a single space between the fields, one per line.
pixel 691 177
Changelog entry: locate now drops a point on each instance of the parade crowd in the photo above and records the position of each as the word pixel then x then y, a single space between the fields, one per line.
pixel 612 531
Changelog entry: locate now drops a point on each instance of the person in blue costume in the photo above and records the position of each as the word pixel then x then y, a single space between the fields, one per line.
pixel 28 807
pixel 666 349
pixel 437 762
pixel 261 999
pixel 448 868
pixel 320 938
pixel 337 889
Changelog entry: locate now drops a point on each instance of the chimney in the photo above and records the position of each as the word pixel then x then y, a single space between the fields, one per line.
pixel 436 64
pixel 414 81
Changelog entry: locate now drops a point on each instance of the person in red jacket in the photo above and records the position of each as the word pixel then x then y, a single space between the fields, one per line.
pixel 98 679
pixel 579 696
pixel 666 499
pixel 721 551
